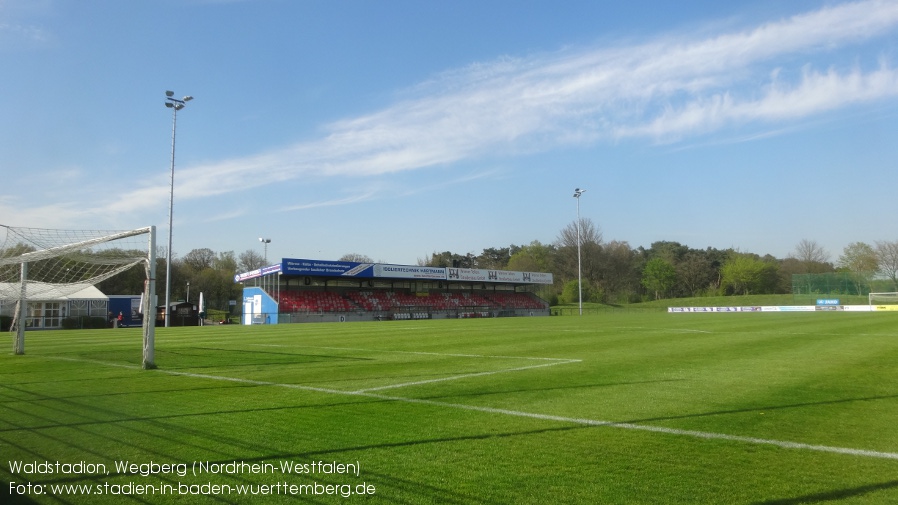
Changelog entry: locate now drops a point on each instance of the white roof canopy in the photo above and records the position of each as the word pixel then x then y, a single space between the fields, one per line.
pixel 41 291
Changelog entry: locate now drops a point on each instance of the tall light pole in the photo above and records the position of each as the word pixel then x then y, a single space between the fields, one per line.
pixel 175 105
pixel 265 241
pixel 577 193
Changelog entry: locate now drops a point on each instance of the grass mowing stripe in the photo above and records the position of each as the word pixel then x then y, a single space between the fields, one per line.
pixel 675 387
pixel 531 415
pixel 554 361
pixel 422 353
pixel 455 377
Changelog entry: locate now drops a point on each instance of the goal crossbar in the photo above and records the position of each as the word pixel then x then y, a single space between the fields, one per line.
pixel 64 249
pixel 38 249
pixel 891 296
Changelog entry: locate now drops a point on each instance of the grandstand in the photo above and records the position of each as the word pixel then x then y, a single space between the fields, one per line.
pixel 302 290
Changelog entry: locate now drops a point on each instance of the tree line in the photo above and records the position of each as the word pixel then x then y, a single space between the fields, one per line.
pixel 612 271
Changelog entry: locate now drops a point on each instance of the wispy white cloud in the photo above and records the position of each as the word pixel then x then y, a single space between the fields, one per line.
pixel 816 92
pixel 13 31
pixel 379 190
pixel 358 197
pixel 670 88
pixel 21 31
pixel 667 88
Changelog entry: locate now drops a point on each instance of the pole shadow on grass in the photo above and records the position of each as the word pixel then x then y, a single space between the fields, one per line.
pixel 834 495
pixel 428 493
pixel 762 408
pixel 133 428
pixel 539 389
pixel 389 481
pixel 213 357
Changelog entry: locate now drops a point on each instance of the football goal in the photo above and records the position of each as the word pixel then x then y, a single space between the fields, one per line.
pixel 43 272
pixel 890 298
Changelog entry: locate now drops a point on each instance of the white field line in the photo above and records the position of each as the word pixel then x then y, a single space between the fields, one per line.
pixel 668 330
pixel 463 376
pixel 552 362
pixel 530 415
pixel 423 353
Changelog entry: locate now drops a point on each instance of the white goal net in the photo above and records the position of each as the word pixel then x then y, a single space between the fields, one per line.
pixel 890 298
pixel 39 267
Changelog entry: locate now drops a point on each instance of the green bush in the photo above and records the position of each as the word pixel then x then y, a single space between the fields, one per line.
pixel 570 293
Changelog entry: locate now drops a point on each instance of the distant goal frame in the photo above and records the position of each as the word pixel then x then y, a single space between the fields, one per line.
pixel 887 294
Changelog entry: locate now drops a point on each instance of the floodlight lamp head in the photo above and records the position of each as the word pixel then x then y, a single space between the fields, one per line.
pixel 169 105
pixel 187 98
pixel 179 106
pixel 169 94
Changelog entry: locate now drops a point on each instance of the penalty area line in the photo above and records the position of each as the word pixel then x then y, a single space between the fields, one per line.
pixel 785 444
pixel 464 376
pixel 546 363
pixel 424 353
pixel 707 435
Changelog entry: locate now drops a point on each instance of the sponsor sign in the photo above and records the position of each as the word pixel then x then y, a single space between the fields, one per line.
pixel 259 272
pixel 786 308
pixel 409 272
pixel 470 274
pixel 752 308
pixel 480 275
pixel 828 301
pixel 326 268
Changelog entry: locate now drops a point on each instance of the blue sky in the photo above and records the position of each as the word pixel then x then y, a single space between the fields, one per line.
pixel 395 129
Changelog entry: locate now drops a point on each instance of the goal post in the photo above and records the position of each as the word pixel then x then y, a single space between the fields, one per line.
pixel 887 298
pixel 38 265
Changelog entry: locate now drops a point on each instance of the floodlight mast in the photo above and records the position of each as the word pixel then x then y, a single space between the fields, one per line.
pixel 175 105
pixel 577 193
pixel 265 241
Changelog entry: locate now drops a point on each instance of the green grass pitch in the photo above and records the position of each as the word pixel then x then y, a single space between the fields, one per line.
pixel 654 408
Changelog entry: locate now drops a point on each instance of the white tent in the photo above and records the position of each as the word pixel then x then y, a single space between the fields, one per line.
pixel 43 292
pixel 49 304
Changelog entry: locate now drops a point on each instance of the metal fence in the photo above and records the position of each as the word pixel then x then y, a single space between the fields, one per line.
pixel 838 283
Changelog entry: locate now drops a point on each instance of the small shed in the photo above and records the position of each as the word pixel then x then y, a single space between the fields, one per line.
pixel 182 314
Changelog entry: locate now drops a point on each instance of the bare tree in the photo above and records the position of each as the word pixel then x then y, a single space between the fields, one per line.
pixel 589 234
pixel 887 254
pixel 356 257
pixel 809 257
pixel 250 260
pixel 809 251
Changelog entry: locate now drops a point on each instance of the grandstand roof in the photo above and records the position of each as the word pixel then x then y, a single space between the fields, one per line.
pixel 354 270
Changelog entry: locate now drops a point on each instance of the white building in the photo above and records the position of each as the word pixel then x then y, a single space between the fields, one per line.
pixel 48 305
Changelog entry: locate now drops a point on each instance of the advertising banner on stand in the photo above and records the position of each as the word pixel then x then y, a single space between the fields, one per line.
pixel 326 268
pixel 481 275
